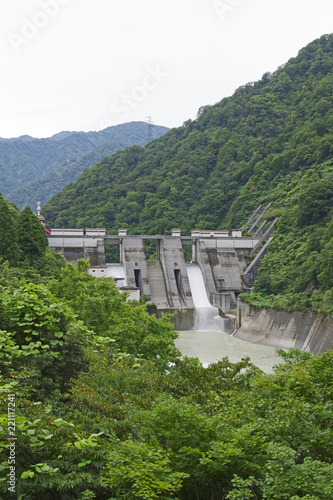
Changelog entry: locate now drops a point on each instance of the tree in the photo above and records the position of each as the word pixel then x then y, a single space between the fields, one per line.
pixel 31 237
pixel 9 249
pixel 103 309
pixel 140 471
pixel 326 265
pixel 315 202
pixel 40 335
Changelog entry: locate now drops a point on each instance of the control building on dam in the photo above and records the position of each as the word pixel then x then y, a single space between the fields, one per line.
pixel 220 256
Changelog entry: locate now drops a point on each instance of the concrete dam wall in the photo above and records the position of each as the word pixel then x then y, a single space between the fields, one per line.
pixel 222 260
pixel 308 332
pixel 220 256
pixel 163 280
pixel 73 244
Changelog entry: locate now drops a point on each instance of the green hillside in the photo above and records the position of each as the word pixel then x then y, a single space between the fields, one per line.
pixel 270 141
pixel 29 167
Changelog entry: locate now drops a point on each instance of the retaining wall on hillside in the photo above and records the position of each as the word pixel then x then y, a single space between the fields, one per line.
pixel 309 332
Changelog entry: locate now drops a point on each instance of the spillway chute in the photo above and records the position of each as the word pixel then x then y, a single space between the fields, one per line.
pixel 206 316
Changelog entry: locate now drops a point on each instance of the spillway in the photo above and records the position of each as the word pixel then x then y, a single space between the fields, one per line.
pixel 206 316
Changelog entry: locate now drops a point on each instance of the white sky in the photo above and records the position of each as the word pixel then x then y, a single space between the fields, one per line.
pixel 88 64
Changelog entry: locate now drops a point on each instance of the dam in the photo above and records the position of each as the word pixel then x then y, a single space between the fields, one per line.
pixel 196 278
pixel 195 289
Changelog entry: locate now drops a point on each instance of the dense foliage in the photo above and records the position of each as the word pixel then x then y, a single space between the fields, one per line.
pixel 35 169
pixel 101 413
pixel 9 249
pixel 99 305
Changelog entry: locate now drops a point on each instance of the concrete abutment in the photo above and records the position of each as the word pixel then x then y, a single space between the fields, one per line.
pixel 309 331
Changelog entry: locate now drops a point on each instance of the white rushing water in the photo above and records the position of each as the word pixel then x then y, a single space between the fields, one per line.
pixel 206 316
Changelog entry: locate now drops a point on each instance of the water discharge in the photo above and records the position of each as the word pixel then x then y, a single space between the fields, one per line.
pixel 207 342
pixel 206 316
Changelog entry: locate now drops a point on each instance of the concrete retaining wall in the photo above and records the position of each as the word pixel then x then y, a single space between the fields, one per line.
pixel 309 332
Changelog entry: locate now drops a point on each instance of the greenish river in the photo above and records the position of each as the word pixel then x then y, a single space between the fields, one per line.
pixel 212 346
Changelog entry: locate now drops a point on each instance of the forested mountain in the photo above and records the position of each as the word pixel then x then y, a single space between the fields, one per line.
pixel 214 171
pixel 25 162
pixel 42 189
pixel 270 141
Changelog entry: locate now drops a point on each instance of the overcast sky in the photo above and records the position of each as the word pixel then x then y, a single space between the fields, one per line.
pixel 89 64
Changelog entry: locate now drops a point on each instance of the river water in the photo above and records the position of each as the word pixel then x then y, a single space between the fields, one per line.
pixel 212 346
pixel 208 342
